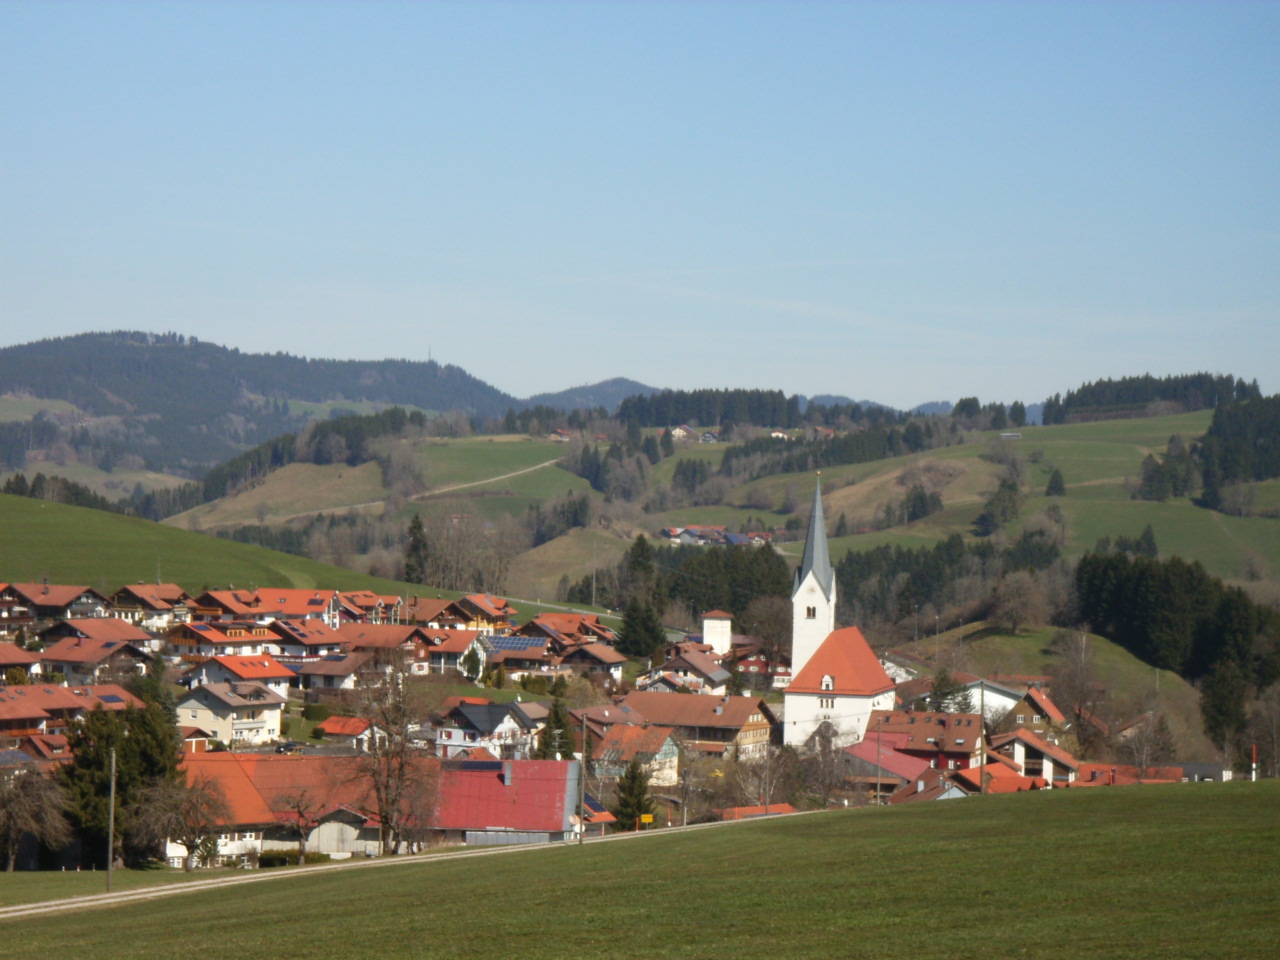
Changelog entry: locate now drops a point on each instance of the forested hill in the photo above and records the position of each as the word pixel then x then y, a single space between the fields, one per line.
pixel 186 403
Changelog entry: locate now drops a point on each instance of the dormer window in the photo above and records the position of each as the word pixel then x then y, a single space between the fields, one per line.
pixel 828 682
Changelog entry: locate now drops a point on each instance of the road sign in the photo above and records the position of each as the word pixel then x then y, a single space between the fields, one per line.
pixel 646 818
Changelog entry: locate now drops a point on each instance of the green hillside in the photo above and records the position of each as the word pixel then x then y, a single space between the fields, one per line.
pixel 105 550
pixel 1186 870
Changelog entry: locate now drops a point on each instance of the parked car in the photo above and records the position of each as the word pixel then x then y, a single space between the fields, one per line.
pixel 290 746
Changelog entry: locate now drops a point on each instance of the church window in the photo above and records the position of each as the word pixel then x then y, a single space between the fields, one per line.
pixel 811 613
pixel 828 682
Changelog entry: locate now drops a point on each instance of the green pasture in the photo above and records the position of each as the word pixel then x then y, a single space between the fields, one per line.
pixel 448 462
pixel 1183 870
pixel 24 408
pixel 112 484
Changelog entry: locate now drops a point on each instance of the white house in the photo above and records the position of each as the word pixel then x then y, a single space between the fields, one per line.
pixel 235 713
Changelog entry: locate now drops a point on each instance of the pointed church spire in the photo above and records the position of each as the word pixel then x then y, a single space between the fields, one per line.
pixel 817 557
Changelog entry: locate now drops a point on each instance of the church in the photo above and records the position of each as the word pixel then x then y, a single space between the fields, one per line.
pixel 836 678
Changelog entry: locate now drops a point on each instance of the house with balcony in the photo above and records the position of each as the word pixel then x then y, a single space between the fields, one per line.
pixel 235 713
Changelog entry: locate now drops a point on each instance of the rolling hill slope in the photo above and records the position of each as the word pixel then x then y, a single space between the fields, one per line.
pixel 1185 870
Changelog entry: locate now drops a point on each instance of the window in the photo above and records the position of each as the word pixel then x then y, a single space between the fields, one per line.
pixel 1021 718
pixel 951 764
pixel 828 682
pixel 1035 718
pixel 811 613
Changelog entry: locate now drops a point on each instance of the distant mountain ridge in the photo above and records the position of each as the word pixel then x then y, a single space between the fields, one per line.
pixel 607 394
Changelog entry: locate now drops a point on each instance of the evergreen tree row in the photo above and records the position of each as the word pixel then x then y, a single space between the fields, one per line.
pixel 762 408
pixel 1129 395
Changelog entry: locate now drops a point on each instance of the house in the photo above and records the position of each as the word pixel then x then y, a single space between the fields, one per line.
pixel 930 785
pixel 758 667
pixel 438 614
pixel 566 630
pixel 710 677
pixel 302 641
pixel 369 607
pixel 223 638
pixel 681 432
pixel 653 746
pixel 351 731
pixel 235 713
pixel 493 726
pixel 383 638
pixel 335 671
pixel 152 606
pixel 485 612
pixel 1036 757
pixel 52 601
pixel 948 741
pixel 263 669
pixel 496 803
pixel 14 658
pixel 520 656
pixel 40 709
pixel 1035 711
pixel 95 651
pixel 268 604
pixel 595 660
pixel 837 680
pixel 719 726
pixel 445 651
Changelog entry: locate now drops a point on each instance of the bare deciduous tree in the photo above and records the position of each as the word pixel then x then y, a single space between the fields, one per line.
pixel 31 804
pixel 186 813
pixel 1076 689
pixel 1019 600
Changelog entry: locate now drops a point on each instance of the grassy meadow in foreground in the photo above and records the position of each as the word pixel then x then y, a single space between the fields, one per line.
pixel 1186 870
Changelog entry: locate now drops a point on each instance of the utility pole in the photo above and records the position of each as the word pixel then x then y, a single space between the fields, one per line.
pixel 982 737
pixel 582 784
pixel 111 822
pixel 879 747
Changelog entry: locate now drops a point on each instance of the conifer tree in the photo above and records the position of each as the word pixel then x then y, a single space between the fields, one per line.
pixel 633 800
pixel 556 739
pixel 1057 487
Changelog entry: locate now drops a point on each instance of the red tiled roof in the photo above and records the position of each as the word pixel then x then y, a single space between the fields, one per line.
pixel 475 796
pixel 1000 779
pixel 108 628
pixel 343 727
pixel 158 596
pixel 747 813
pixel 257 667
pixel 37 700
pixel 449 641
pixel 88 650
pixel 717 615
pixel 1041 701
pixel 378 636
pixel 683 710
pixel 950 732
pixel 1030 738
pixel 50 594
pixel 12 655
pixel 846 657
pixel 885 755
pixel 624 743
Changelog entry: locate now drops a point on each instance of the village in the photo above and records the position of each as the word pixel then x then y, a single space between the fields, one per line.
pixel 395 761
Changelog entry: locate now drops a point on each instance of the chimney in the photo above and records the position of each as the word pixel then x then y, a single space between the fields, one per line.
pixel 506 773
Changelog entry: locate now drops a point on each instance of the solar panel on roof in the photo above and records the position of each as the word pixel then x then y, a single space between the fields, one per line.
pixel 111 698
pixel 516 643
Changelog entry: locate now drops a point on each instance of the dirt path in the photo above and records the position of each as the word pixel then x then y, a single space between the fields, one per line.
pixel 266 876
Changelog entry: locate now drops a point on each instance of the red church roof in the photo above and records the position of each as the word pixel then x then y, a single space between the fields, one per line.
pixel 846 657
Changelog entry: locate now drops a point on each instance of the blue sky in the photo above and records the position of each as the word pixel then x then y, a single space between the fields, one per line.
pixel 902 202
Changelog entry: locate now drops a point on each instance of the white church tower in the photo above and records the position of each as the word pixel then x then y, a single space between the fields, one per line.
pixel 813 599
pixel 836 679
